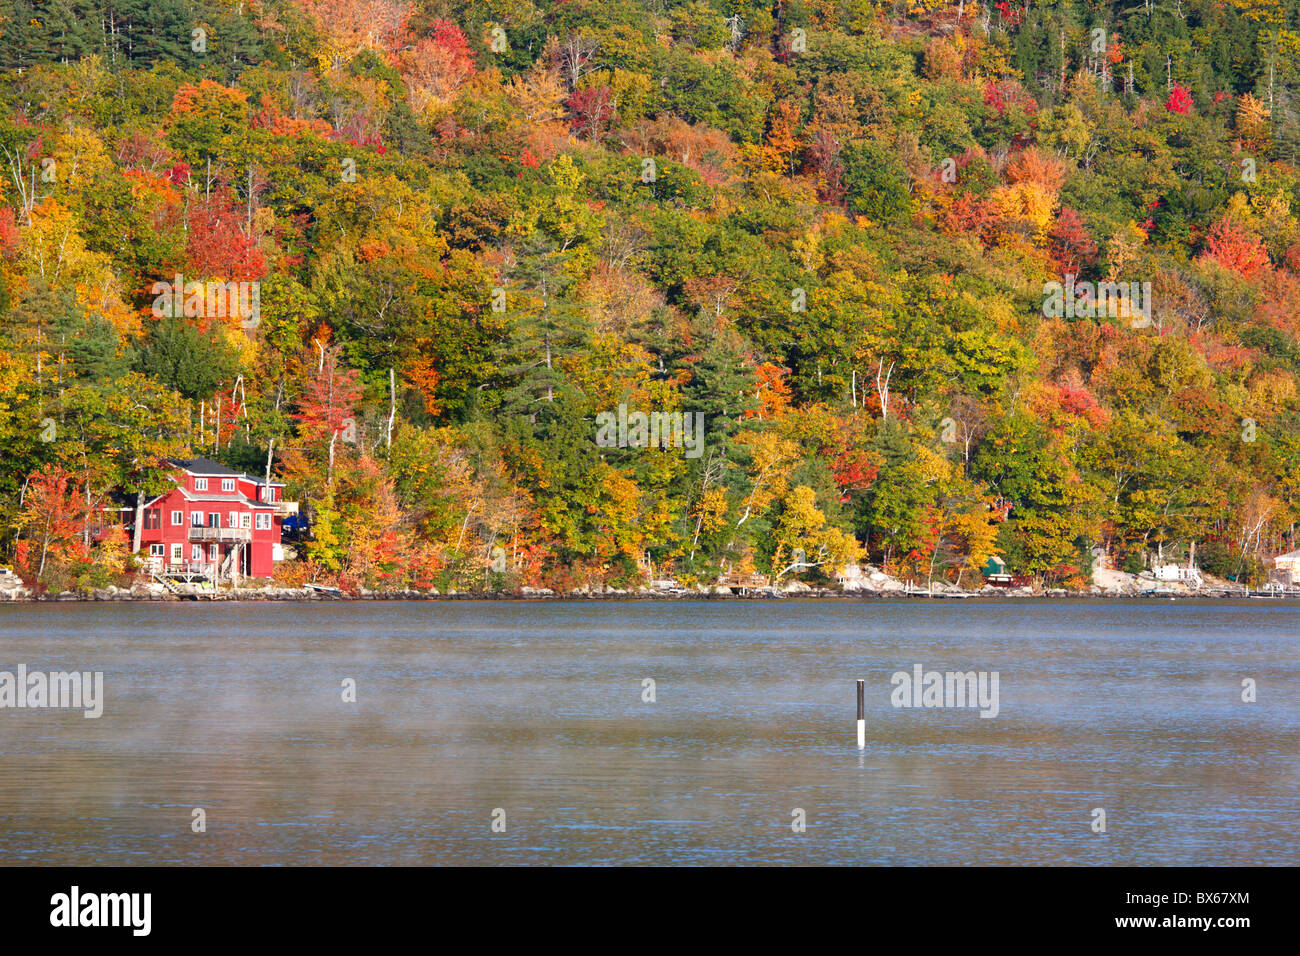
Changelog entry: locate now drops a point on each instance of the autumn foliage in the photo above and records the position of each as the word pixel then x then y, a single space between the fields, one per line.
pixel 476 228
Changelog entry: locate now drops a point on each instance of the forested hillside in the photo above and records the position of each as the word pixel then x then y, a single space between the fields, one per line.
pixel 462 231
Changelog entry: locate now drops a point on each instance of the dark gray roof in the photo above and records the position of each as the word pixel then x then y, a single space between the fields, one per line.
pixel 204 466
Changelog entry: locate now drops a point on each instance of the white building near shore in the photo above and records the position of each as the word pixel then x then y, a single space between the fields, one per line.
pixel 1177 572
pixel 1286 568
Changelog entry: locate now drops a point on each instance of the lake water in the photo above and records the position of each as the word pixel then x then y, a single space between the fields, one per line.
pixel 535 709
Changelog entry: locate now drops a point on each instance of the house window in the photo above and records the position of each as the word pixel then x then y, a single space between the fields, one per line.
pixel 177 553
pixel 196 553
pixel 214 519
pixel 157 550
pixel 214 551
pixel 152 519
pixel 178 517
pixel 227 484
pixel 234 519
pixel 245 521
pixel 196 519
pixel 200 484
pixel 263 522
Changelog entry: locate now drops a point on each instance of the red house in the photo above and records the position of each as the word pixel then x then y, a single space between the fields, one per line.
pixel 215 522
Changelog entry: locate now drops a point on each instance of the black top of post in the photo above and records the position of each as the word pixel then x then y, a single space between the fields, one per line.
pixel 862 700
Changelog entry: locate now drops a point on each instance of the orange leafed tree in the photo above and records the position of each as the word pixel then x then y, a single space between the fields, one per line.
pixel 1234 248
pixel 422 375
pixel 269 117
pixel 1069 244
pixel 783 138
pixel 378 535
pixel 773 392
pixel 970 215
pixel 52 520
pixel 436 66
pixel 327 409
pixel 362 24
pixel 1034 166
pixel 208 95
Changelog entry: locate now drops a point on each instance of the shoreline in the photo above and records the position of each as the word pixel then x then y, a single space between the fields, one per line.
pixel 301 595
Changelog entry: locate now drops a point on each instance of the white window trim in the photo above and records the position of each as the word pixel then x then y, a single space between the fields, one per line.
pixel 227 484
pixel 200 484
pixel 178 518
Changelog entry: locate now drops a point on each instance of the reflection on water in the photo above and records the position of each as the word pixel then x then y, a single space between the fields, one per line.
pixel 536 708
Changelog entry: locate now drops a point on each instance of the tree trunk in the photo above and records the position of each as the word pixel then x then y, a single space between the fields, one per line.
pixel 392 405
pixel 139 521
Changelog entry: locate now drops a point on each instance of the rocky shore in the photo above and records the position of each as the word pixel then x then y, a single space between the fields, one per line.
pixel 865 584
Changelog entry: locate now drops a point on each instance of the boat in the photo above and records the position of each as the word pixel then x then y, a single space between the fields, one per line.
pixel 926 592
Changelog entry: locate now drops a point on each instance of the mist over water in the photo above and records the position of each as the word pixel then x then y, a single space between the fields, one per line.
pixel 535 708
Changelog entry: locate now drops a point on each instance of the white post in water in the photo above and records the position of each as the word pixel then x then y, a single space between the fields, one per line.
pixel 862 714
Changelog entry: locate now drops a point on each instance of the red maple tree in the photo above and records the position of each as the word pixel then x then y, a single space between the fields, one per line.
pixel 218 244
pixel 1069 244
pixel 8 232
pixel 1180 100
pixel 591 111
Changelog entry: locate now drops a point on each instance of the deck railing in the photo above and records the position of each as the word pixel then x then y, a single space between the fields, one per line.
pixel 220 534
